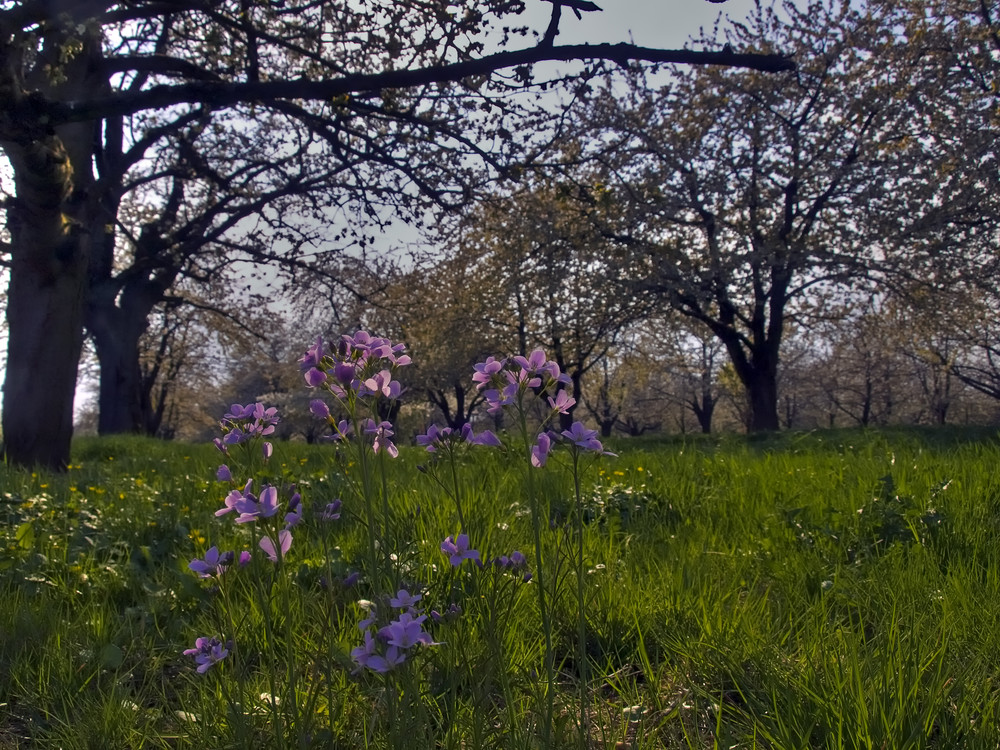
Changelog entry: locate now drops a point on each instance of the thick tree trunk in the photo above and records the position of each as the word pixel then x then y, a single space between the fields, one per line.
pixel 120 397
pixel 50 220
pixel 48 279
pixel 762 398
pixel 116 322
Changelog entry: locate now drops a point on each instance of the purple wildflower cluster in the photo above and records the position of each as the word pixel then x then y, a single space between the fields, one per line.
pixel 577 436
pixel 243 423
pixel 389 646
pixel 360 367
pixel 504 382
pixel 252 508
pixel 437 438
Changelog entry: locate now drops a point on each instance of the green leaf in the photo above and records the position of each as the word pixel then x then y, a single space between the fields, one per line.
pixel 25 535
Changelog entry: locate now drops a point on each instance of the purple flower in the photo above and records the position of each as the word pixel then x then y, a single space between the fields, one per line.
pixel 319 408
pixel 540 451
pixel 562 403
pixel 238 411
pixel 484 371
pixel 350 579
pixel 522 379
pixel 243 423
pixel 434 437
pixel 313 355
pixel 458 550
pixel 382 384
pixel 251 508
pixel 496 400
pixel 235 498
pixel 331 512
pixel 345 372
pixel 214 563
pixel 244 558
pixel 382 664
pixel 223 474
pixel 367 656
pixel 315 377
pixel 406 631
pixel 382 432
pixel 294 515
pixel 206 652
pixel 223 448
pixel 361 654
pixel 284 541
pixel 486 437
pixel 404 599
pixel 453 612
pixel 582 437
pixel 267 450
pixel 371 609
pixel 534 362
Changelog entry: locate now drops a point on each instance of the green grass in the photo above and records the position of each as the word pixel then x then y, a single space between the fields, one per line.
pixel 825 590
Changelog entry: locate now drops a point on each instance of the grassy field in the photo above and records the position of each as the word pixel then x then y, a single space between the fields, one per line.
pixel 823 590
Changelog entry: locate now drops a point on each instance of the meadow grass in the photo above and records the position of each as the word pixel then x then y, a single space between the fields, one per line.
pixel 823 590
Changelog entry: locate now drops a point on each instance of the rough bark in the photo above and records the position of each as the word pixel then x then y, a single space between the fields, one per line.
pixel 44 306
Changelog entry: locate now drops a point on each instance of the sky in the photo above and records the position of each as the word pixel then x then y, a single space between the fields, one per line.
pixel 649 23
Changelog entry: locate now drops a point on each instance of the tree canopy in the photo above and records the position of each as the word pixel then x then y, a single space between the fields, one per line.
pixel 388 99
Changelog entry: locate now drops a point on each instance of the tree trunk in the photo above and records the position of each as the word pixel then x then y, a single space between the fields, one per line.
pixel 762 397
pixel 51 221
pixel 704 409
pixel 48 279
pixel 119 398
pixel 758 373
pixel 116 322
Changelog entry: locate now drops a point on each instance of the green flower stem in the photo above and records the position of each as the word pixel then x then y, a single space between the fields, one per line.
pixel 265 605
pixel 367 491
pixel 581 616
pixel 458 496
pixel 536 530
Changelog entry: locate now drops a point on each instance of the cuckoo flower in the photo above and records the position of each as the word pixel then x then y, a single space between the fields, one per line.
pixel 485 371
pixel 562 403
pixel 206 652
pixel 540 450
pixel 284 542
pixel 584 438
pixel 406 631
pixel 214 563
pixel 236 498
pixel 533 363
pixel 458 550
pixel 404 599
pixel 251 508
pixel 382 432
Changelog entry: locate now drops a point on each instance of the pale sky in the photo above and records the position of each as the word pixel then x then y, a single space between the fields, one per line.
pixel 652 23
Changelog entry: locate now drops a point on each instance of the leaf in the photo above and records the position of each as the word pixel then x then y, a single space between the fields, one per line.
pixel 25 535
pixel 111 656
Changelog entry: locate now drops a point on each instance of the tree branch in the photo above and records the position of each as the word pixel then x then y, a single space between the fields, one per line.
pixel 227 94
